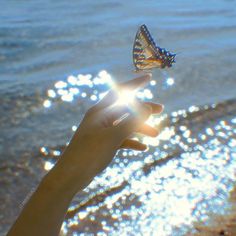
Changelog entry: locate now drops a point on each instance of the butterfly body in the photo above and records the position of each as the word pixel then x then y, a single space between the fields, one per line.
pixel 146 55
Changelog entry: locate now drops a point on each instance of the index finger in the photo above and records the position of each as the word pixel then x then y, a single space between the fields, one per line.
pixel 136 83
pixel 133 84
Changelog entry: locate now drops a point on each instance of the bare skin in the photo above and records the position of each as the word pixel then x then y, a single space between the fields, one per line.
pixel 89 152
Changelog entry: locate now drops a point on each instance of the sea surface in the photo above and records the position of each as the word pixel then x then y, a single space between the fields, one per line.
pixel 57 58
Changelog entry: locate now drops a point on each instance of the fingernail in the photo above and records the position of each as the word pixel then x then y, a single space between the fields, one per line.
pixel 147 148
pixel 147 76
pixel 162 106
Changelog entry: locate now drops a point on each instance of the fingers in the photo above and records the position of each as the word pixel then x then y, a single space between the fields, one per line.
pixel 133 121
pixel 112 95
pixel 108 100
pixel 135 83
pixel 148 130
pixel 156 107
pixel 133 144
pixel 144 129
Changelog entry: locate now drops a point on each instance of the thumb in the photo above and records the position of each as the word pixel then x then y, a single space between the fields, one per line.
pixel 133 121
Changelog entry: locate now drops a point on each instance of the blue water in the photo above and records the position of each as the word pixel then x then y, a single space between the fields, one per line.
pixel 43 42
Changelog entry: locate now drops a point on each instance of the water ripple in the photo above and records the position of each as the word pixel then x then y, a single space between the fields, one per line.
pixel 186 175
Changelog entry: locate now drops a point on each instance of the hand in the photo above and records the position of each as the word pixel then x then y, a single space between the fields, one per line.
pixel 101 133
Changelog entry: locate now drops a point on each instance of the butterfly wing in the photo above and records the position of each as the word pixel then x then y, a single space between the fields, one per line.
pixel 146 55
pixel 143 49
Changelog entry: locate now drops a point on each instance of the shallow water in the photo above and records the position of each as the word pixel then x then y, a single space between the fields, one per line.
pixel 186 175
pixel 44 42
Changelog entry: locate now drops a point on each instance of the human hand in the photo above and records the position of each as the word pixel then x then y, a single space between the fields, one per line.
pixel 102 132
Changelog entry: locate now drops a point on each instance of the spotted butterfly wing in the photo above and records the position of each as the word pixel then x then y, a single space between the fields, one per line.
pixel 146 55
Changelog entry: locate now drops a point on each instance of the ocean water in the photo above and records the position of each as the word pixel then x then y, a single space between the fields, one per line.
pixel 57 58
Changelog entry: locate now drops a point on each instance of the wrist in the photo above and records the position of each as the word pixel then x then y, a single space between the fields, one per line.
pixel 65 179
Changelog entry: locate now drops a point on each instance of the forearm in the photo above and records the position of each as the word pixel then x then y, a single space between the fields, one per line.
pixel 90 151
pixel 45 211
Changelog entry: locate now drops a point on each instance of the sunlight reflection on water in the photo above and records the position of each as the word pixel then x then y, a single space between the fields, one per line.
pixel 87 87
pixel 187 172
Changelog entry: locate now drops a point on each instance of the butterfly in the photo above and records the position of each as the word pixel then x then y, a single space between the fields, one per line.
pixel 146 55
